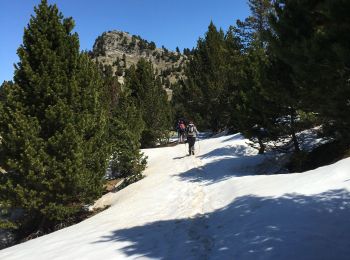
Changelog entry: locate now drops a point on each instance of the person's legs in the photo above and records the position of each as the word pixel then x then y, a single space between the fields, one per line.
pixel 191 141
pixel 194 141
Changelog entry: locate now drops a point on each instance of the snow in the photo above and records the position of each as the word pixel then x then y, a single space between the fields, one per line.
pixel 211 206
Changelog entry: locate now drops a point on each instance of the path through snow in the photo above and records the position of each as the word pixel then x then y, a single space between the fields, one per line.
pixel 211 206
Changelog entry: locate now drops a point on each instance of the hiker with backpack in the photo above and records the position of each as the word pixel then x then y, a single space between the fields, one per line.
pixel 191 133
pixel 178 130
pixel 181 128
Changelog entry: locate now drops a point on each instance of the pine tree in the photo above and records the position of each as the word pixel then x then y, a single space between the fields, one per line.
pixel 53 125
pixel 151 99
pixel 268 102
pixel 252 109
pixel 259 18
pixel 4 85
pixel 253 29
pixel 2 90
pixel 312 38
pixel 203 93
pixel 125 128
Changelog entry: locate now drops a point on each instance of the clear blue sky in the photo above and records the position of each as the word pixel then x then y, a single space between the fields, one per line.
pixel 166 22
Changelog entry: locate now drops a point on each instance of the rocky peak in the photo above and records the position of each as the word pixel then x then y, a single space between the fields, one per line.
pixel 121 50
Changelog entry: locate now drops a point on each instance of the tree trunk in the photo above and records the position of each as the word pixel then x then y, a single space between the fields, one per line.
pixel 262 146
pixel 292 128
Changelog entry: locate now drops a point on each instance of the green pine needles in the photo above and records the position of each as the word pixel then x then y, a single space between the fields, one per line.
pixel 53 125
pixel 151 100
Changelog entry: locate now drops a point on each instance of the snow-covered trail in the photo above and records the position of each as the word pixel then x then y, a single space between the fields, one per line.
pixel 211 206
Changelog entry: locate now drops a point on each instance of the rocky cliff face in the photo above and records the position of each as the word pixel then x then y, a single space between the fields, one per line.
pixel 121 50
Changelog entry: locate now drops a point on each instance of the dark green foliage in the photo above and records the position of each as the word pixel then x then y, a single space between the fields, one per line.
pixel 312 37
pixel 204 94
pixel 253 112
pixel 272 99
pixel 254 108
pixel 124 60
pixel 152 45
pixel 53 125
pixel 258 21
pixel 187 52
pixel 142 44
pixel 151 99
pixel 132 44
pixel 125 128
pixel 98 46
pixel 4 85
pixel 286 97
pixel 283 69
pixel 125 41
pixel 165 49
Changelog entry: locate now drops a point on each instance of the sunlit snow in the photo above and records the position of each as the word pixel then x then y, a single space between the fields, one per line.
pixel 211 206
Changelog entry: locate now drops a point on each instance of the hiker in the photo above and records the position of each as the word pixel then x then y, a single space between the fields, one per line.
pixel 177 127
pixel 181 128
pixel 191 133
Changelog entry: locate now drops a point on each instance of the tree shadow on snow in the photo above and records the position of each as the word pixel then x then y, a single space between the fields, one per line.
pixel 231 161
pixel 180 157
pixel 234 137
pixel 218 170
pixel 289 227
pixel 231 151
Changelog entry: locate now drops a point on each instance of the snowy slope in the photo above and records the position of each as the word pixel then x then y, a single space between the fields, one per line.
pixel 211 206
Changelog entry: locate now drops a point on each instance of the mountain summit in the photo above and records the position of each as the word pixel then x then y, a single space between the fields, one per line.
pixel 121 50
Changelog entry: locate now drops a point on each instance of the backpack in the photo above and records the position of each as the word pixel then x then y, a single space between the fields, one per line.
pixel 190 130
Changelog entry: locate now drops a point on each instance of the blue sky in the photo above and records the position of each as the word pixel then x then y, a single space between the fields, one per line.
pixel 169 23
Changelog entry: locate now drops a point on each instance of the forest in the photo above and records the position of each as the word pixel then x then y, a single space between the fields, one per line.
pixel 65 119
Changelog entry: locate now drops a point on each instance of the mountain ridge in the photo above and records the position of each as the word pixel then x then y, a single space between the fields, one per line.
pixel 120 50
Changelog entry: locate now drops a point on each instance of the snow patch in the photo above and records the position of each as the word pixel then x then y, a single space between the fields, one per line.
pixel 212 206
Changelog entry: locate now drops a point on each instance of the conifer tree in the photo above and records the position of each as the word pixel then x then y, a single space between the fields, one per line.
pixel 151 99
pixel 269 101
pixel 2 90
pixel 125 128
pixel 203 93
pixel 53 125
pixel 252 109
pixel 312 37
pixel 259 18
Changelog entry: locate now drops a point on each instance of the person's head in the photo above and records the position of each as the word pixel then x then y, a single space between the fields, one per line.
pixel 191 122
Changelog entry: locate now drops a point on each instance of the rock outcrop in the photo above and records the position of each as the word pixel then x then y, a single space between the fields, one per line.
pixel 121 50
